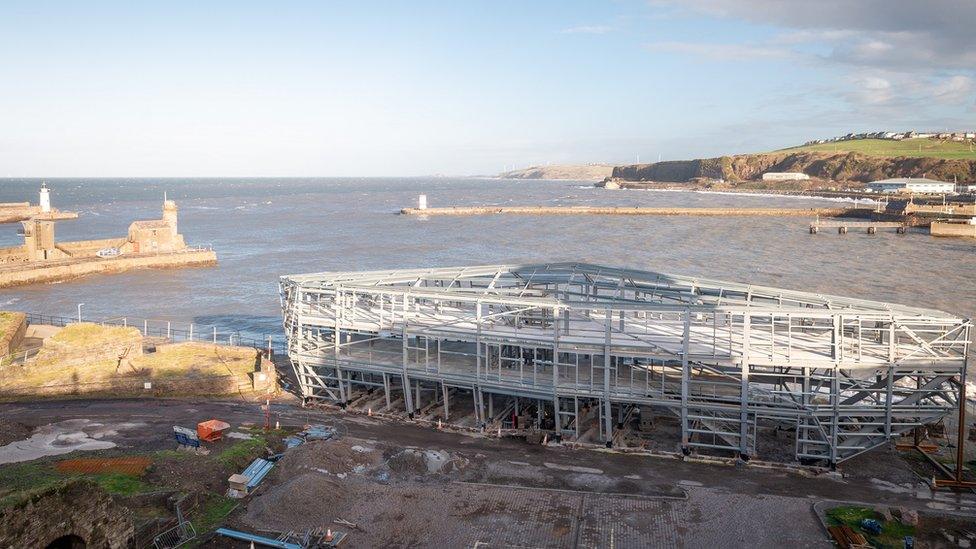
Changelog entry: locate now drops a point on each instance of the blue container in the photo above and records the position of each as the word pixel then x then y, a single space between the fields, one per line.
pixel 872 526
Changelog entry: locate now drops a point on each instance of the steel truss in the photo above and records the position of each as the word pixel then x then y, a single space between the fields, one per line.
pixel 847 374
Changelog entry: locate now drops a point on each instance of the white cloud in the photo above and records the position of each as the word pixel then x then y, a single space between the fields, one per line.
pixel 955 89
pixel 587 29
pixel 893 58
pixel 721 52
pixel 869 90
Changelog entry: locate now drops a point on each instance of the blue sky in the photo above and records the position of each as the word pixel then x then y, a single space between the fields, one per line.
pixel 417 88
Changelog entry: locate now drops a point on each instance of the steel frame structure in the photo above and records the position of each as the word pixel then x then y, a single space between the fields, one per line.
pixel 848 374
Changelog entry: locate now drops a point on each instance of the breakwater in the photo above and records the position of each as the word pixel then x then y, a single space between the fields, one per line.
pixel 66 269
pixel 637 210
pixel 13 212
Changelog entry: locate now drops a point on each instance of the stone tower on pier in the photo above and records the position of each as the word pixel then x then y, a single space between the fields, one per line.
pixel 169 215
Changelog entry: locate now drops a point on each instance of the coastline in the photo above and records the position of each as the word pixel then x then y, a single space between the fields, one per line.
pixel 623 210
pixel 834 196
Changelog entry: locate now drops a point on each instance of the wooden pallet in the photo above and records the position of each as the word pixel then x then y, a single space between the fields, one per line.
pixel 846 537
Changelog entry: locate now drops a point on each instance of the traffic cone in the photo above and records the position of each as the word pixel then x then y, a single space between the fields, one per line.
pixel 369 412
pixel 328 535
pixel 438 424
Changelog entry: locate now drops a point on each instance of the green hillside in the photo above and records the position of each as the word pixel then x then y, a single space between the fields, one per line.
pixel 930 148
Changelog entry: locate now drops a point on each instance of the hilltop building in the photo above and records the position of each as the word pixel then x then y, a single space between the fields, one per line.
pixel 911 185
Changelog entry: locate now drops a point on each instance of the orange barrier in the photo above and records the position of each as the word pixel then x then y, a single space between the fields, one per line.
pixel 135 465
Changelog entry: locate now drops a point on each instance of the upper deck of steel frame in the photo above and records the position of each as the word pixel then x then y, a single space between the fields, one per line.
pixel 531 285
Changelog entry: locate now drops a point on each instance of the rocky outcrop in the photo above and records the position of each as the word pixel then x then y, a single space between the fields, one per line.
pixel 832 166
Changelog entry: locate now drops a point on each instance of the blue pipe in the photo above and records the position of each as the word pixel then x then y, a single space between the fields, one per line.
pixel 244 536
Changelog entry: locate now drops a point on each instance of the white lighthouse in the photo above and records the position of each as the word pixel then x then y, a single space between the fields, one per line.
pixel 45 199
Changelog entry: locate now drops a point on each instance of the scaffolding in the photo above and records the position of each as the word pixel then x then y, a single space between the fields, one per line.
pixel 578 342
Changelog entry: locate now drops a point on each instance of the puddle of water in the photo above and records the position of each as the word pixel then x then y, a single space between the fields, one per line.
pixel 62 438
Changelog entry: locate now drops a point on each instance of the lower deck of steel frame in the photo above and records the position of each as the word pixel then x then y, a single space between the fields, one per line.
pixel 835 415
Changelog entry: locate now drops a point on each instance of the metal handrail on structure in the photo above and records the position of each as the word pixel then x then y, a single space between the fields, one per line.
pixel 171 330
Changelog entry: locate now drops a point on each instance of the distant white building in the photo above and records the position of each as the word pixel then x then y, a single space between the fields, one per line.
pixel 965 188
pixel 785 176
pixel 911 185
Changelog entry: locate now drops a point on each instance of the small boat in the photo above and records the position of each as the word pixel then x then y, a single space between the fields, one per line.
pixel 108 252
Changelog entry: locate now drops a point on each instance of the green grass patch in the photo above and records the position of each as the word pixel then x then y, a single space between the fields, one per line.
pixel 20 480
pixel 213 511
pixel 170 454
pixel 122 485
pixel 241 453
pixel 892 534
pixel 927 148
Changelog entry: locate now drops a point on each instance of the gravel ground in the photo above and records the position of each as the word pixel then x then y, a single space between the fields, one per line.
pixel 428 497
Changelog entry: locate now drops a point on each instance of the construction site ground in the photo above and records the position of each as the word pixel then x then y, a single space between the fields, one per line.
pixel 403 484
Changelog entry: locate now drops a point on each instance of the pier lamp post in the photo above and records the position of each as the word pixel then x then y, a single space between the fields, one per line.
pixel 79 311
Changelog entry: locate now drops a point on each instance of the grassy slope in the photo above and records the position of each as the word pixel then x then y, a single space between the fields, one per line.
pixel 176 360
pixel 198 358
pixel 931 148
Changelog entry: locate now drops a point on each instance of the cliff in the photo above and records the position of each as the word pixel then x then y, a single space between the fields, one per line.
pixel 586 172
pixel 833 166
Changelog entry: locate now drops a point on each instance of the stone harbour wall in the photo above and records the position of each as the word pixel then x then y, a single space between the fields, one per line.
pixel 74 268
pixel 952 229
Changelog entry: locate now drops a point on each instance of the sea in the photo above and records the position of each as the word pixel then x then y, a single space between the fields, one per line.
pixel 262 229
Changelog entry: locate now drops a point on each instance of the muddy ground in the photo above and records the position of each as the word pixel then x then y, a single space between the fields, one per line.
pixel 408 485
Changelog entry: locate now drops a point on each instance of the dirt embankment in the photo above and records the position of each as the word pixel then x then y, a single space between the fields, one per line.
pixel 832 166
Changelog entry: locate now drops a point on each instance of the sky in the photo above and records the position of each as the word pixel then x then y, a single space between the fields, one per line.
pixel 413 88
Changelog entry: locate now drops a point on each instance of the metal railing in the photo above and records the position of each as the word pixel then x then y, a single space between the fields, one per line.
pixel 175 331
pixel 176 536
